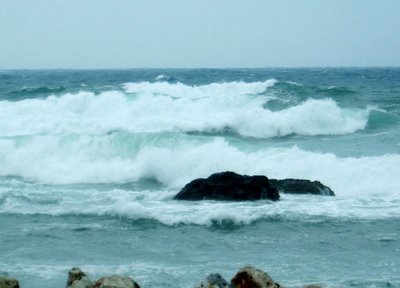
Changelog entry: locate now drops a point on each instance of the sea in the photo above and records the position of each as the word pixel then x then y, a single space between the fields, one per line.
pixel 90 161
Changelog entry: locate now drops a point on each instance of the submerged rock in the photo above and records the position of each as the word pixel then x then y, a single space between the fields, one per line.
pixel 229 186
pixel 214 281
pixel 301 186
pixel 6 282
pixel 250 277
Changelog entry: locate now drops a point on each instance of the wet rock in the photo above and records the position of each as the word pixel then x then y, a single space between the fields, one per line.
pixel 301 186
pixel 229 186
pixel 213 281
pixel 250 277
pixel 6 282
pixel 78 279
pixel 115 281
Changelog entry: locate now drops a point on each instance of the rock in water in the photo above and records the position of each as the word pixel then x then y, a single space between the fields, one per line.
pixel 115 281
pixel 301 186
pixel 250 277
pixel 78 279
pixel 214 281
pixel 229 186
pixel 8 282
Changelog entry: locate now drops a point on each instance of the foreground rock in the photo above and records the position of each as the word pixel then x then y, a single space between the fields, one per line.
pixel 229 186
pixel 115 281
pixel 250 277
pixel 6 282
pixel 246 277
pixel 301 186
pixel 214 281
pixel 78 279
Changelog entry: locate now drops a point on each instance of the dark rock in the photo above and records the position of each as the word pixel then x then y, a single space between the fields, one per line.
pixel 78 279
pixel 250 277
pixel 229 186
pixel 213 281
pixel 300 186
pixel 6 282
pixel 115 281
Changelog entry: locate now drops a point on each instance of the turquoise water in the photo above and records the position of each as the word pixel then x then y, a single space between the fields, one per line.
pixel 90 161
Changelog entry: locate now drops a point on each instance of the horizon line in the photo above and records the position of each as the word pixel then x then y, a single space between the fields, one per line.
pixel 203 68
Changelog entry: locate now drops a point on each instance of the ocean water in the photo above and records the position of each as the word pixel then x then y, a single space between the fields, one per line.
pixel 90 162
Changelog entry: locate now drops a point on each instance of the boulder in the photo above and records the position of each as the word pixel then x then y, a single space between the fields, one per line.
pixel 250 277
pixel 115 281
pixel 229 186
pixel 213 281
pixel 6 282
pixel 78 279
pixel 301 186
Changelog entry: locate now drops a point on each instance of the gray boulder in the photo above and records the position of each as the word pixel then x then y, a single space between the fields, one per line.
pixel 115 281
pixel 213 281
pixel 6 282
pixel 250 277
pixel 78 279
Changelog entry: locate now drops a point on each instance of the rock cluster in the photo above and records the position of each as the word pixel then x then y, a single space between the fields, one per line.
pixel 78 279
pixel 246 277
pixel 229 186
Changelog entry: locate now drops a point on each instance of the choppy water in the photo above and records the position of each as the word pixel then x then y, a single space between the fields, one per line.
pixel 90 161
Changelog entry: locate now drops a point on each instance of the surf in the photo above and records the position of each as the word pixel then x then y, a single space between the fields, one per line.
pixel 241 108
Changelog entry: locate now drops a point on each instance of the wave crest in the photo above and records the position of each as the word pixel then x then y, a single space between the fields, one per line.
pixel 241 108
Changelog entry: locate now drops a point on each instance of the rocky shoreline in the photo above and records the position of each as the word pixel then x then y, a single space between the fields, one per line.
pixel 246 277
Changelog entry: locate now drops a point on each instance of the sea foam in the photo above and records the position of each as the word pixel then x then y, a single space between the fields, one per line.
pixel 86 160
pixel 163 107
pixel 143 132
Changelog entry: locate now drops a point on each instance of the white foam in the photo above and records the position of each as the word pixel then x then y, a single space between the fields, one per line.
pixel 180 90
pixel 53 160
pixel 66 140
pixel 123 203
pixel 165 107
pixel 161 77
pixel 366 187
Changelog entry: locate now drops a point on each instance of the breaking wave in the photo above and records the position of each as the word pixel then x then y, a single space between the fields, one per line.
pixel 241 108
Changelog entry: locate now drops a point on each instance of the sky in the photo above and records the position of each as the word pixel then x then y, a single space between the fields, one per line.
pixel 100 34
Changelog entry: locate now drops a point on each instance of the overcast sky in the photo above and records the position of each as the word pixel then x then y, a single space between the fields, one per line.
pixel 201 33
